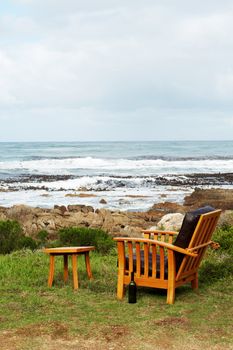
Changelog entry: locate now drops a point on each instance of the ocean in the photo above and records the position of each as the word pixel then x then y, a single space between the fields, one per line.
pixel 113 175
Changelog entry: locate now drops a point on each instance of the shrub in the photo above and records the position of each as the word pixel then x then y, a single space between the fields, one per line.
pixel 214 270
pixel 27 242
pixel 10 235
pixel 224 236
pixel 218 263
pixel 42 236
pixel 82 236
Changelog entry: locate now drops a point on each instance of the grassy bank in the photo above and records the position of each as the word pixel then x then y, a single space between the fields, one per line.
pixel 35 317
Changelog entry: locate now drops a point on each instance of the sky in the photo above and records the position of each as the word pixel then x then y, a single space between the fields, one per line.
pixel 93 70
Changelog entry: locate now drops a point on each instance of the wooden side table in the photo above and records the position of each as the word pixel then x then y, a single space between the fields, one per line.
pixel 66 251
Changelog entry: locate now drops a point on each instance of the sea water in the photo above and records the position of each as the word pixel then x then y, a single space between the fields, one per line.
pixel 127 175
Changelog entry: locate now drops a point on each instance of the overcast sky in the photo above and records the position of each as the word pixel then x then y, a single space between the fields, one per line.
pixel 76 70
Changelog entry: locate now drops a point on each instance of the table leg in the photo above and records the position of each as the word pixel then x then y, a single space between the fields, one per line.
pixel 88 265
pixel 51 270
pixel 65 256
pixel 75 270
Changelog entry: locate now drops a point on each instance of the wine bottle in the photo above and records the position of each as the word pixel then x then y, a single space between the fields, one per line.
pixel 132 290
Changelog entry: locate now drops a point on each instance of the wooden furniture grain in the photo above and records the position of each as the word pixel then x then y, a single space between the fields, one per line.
pixel 157 262
pixel 73 252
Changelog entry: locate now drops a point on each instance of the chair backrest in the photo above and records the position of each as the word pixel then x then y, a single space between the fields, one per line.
pixel 201 236
pixel 194 231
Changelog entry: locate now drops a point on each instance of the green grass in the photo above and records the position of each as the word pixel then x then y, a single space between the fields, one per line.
pixel 33 315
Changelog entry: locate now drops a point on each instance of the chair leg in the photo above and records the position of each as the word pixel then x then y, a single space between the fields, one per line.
pixel 170 295
pixel 120 286
pixel 194 282
pixel 171 277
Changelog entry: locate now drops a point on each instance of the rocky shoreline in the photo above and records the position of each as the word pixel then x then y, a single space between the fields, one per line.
pixel 197 179
pixel 114 222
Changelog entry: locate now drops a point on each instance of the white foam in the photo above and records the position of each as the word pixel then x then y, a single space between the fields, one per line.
pixel 116 200
pixel 73 165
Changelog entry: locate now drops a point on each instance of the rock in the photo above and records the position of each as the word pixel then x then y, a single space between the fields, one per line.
pixel 115 222
pixel 217 198
pixel 80 195
pixel 82 189
pixel 80 207
pixel 17 211
pixel 136 196
pixel 103 201
pixel 168 207
pixel 170 222
pixel 62 209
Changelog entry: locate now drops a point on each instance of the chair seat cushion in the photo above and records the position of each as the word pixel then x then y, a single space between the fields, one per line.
pixel 150 264
pixel 187 229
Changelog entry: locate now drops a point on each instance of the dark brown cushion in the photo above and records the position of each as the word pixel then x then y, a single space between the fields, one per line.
pixel 187 229
pixel 150 264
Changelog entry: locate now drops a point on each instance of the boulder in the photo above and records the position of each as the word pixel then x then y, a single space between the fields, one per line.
pixel 103 201
pixel 167 207
pixel 171 222
pixel 215 197
pixel 80 207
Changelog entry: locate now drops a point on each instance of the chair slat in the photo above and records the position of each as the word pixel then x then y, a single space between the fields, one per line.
pixel 146 259
pixel 154 262
pixel 146 235
pixel 163 237
pixel 121 255
pixel 162 255
pixel 170 239
pixel 138 260
pixel 130 253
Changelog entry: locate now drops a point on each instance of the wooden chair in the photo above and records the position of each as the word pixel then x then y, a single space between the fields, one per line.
pixel 159 263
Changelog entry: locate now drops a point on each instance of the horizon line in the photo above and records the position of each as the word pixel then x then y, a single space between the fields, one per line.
pixel 117 141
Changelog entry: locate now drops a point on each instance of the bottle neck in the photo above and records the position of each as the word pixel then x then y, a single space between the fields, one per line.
pixel 132 276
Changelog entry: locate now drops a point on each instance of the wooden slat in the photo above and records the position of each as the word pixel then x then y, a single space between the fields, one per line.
pixel 188 264
pixel 146 259
pixel 130 255
pixel 199 258
pixel 154 263
pixel 161 232
pixel 147 282
pixel 162 269
pixel 138 260
pixel 170 239
pixel 147 235
pixel 186 274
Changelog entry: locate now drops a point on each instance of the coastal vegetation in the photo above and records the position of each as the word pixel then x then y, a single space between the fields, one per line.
pixel 34 316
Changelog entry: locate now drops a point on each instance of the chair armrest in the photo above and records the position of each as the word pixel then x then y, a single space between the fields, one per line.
pixel 159 243
pixel 162 232
pixel 214 245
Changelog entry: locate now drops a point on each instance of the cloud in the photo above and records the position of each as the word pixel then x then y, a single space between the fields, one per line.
pixel 111 61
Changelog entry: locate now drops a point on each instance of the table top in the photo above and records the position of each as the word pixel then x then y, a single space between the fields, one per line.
pixel 68 250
